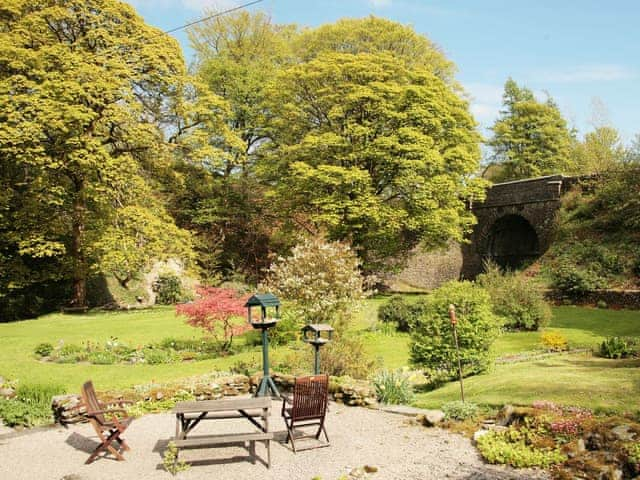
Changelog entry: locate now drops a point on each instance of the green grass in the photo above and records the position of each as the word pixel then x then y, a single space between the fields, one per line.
pixel 573 379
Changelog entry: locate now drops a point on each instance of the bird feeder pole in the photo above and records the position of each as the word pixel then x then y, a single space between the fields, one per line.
pixel 454 321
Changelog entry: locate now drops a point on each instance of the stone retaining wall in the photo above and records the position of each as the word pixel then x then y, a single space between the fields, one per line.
pixel 68 409
pixel 613 298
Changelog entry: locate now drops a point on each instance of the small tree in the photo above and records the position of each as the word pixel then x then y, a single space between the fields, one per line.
pixel 216 311
pixel 321 279
pixel 432 344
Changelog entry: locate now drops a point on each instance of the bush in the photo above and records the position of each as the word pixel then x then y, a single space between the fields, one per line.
pixel 156 356
pixel 345 356
pixel 102 357
pixel 31 405
pixel 321 279
pixel 516 299
pixel 399 312
pixel 554 341
pixel 393 387
pixel 574 282
pixel 619 347
pixel 432 344
pixel 43 350
pixel 168 288
pixel 458 410
pixel 508 448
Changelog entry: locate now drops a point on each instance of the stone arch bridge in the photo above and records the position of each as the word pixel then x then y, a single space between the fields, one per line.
pixel 516 223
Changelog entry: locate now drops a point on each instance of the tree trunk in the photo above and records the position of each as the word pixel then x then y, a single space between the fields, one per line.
pixel 77 245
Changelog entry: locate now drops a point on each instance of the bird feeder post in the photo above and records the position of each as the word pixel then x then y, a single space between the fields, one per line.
pixel 317 335
pixel 454 321
pixel 264 323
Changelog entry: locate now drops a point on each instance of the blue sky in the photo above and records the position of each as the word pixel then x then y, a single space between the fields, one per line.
pixel 584 53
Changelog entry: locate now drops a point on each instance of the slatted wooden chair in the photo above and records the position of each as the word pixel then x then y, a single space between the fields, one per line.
pixel 108 430
pixel 308 407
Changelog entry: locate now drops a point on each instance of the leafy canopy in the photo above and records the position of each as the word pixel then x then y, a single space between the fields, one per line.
pixel 371 151
pixel 530 138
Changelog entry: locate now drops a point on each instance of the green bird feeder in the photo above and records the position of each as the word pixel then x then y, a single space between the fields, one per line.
pixel 317 335
pixel 268 318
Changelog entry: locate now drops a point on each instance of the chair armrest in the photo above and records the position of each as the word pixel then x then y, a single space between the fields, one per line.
pixel 286 398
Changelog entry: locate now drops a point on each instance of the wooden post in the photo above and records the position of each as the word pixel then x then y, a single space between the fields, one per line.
pixel 452 317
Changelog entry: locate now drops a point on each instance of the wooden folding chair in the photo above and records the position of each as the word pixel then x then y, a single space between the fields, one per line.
pixel 308 407
pixel 108 430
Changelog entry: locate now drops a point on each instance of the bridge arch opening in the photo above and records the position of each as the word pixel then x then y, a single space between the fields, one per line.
pixel 513 243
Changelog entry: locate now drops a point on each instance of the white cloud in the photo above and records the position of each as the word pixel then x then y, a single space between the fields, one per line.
pixel 380 3
pixel 587 73
pixel 486 101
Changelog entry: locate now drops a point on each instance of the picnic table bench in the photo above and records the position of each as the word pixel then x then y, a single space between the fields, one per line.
pixel 256 410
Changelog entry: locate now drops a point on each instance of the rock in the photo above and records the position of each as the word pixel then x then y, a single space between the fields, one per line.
pixel 370 468
pixel 623 432
pixel 479 434
pixel 2 380
pixel 510 414
pixel 7 392
pixel 357 473
pixel 432 417
pixel 159 395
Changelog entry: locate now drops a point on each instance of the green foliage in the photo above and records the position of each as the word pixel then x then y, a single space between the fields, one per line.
pixel 320 279
pixel 432 343
pixel 168 288
pixel 43 349
pixel 155 356
pixel 393 387
pixel 345 356
pixel 554 341
pixel 516 299
pixel 104 357
pixel 633 452
pixel 170 460
pixel 600 151
pixel 509 448
pixel 372 155
pixel 458 410
pixel 573 281
pixel 97 105
pixel 31 406
pixel 619 347
pixel 530 138
pixel 400 312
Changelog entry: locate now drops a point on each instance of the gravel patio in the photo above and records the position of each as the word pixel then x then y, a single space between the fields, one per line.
pixel 359 437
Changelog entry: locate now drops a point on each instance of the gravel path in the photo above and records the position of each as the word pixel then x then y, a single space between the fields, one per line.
pixel 358 437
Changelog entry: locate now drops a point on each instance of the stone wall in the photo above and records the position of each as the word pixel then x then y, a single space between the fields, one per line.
pixel 428 270
pixel 68 409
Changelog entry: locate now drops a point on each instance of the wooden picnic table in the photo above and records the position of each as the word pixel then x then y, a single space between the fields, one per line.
pixel 256 410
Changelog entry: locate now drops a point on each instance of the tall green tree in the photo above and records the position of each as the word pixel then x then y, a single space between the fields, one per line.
pixel 600 151
pixel 94 105
pixel 237 56
pixel 369 150
pixel 530 138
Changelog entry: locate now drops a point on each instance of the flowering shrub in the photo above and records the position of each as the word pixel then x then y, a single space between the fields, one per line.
pixel 219 312
pixel 321 279
pixel 554 342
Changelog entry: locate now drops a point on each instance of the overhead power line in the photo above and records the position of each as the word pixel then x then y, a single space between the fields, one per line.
pixel 239 7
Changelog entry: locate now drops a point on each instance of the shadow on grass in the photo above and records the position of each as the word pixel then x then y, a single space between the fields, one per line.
pixel 603 363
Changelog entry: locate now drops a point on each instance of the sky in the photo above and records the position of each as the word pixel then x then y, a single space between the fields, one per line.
pixel 583 53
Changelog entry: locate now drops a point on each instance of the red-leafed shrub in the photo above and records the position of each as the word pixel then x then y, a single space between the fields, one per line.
pixel 219 312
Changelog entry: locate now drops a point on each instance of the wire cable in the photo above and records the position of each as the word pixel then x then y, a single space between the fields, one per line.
pixel 204 19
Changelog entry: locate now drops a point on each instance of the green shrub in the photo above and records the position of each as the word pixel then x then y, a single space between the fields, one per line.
pixel 516 299
pixel 31 405
pixel 601 304
pixel 69 353
pixel 102 357
pixel 574 282
pixel 43 350
pixel 156 356
pixel 168 288
pixel 393 387
pixel 503 448
pixel 344 356
pixel 286 331
pixel 619 347
pixel 432 343
pixel 400 312
pixel 458 410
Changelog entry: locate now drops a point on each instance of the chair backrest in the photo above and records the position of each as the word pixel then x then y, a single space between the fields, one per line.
pixel 91 401
pixel 310 396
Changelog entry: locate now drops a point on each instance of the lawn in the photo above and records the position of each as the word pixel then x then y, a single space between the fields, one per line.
pixel 575 378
